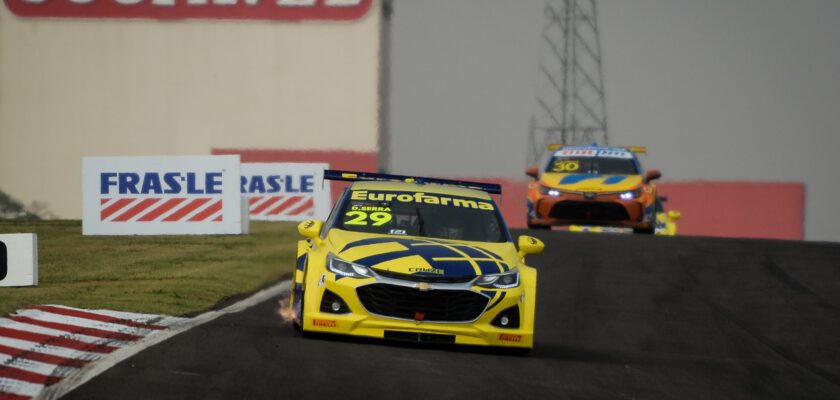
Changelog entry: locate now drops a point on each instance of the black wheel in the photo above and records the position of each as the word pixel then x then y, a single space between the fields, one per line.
pixel 297 322
pixel 645 231
pixel 534 226
pixel 648 231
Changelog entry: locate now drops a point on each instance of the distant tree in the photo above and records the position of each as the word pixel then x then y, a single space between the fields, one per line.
pixel 11 208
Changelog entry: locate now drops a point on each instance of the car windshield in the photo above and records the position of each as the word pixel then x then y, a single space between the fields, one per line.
pixel 592 165
pixel 422 214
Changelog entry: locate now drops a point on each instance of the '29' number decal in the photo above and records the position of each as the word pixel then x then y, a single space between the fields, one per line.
pixel 378 218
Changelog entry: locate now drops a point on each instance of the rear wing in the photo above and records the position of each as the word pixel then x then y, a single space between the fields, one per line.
pixel 632 149
pixel 637 149
pixel 352 176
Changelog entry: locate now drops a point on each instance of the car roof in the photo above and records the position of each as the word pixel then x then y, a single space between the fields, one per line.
pixel 420 187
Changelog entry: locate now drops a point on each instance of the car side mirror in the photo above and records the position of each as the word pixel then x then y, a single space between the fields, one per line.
pixel 533 172
pixel 674 215
pixel 530 245
pixel 652 174
pixel 311 229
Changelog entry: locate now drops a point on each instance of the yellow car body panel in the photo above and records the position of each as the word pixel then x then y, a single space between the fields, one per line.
pixel 596 183
pixel 395 260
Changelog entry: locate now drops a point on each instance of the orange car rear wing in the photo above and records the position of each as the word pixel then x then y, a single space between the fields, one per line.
pixel 632 149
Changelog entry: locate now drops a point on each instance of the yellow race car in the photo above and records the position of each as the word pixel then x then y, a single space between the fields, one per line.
pixel 415 259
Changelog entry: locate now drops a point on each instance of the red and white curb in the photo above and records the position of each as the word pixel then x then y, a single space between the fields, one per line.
pixel 47 351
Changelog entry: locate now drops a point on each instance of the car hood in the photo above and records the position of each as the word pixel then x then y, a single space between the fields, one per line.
pixel 591 182
pixel 423 256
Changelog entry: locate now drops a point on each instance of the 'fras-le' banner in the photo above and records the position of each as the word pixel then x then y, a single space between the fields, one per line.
pixel 161 195
pixel 285 191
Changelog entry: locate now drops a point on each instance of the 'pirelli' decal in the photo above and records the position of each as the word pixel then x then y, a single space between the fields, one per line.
pixel 325 323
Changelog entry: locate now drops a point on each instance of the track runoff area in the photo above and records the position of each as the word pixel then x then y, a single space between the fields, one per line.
pixel 618 316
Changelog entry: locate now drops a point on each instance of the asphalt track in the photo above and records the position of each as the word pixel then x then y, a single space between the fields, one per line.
pixel 618 316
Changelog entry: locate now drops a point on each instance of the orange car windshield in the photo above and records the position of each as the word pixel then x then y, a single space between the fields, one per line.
pixel 593 165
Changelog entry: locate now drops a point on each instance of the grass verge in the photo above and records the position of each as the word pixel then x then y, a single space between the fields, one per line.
pixel 174 275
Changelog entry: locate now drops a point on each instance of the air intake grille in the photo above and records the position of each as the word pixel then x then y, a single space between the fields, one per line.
pixel 410 303
pixel 589 211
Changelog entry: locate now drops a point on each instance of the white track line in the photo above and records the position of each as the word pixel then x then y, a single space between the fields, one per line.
pixel 6 323
pixel 35 366
pixel 136 317
pixel 92 370
pixel 19 388
pixel 36 347
pixel 82 322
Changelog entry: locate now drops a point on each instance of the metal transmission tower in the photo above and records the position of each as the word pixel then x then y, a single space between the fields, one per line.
pixel 570 96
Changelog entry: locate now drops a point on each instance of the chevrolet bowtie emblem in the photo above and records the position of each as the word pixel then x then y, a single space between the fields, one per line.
pixel 589 196
pixel 423 286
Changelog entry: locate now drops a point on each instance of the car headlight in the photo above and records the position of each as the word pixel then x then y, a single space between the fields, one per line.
pixel 347 269
pixel 505 280
pixel 631 194
pixel 549 191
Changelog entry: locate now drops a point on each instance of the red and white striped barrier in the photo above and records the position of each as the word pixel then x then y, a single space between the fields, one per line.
pixel 41 345
pixel 175 209
pixel 281 206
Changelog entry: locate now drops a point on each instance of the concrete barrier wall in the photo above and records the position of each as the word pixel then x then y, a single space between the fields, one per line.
pixel 97 87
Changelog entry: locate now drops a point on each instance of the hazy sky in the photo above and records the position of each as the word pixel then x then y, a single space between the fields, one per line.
pixel 717 89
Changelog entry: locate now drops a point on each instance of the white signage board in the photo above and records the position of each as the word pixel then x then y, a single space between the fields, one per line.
pixel 286 191
pixel 169 195
pixel 18 259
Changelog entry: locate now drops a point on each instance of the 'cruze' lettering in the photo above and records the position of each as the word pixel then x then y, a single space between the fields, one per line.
pixel 160 183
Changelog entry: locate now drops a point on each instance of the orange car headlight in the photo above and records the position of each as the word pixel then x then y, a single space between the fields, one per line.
pixel 633 194
pixel 550 191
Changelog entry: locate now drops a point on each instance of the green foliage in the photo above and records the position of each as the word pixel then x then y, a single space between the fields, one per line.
pixel 12 208
pixel 174 275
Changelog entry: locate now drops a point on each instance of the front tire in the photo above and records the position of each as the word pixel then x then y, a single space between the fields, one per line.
pixel 649 230
pixel 645 231
pixel 537 226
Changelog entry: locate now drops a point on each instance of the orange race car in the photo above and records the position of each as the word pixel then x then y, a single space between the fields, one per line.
pixel 593 185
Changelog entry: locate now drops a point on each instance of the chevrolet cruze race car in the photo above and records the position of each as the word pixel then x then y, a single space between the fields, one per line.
pixel 417 259
pixel 593 185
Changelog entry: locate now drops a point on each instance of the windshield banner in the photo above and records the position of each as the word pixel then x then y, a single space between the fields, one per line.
pixel 285 191
pixel 161 195
pixel 420 197
pixel 613 153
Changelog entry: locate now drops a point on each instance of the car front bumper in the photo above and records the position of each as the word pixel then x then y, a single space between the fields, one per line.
pixel 361 321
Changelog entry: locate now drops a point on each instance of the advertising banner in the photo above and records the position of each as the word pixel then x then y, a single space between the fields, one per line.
pixel 283 10
pixel 286 191
pixel 18 259
pixel 161 195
